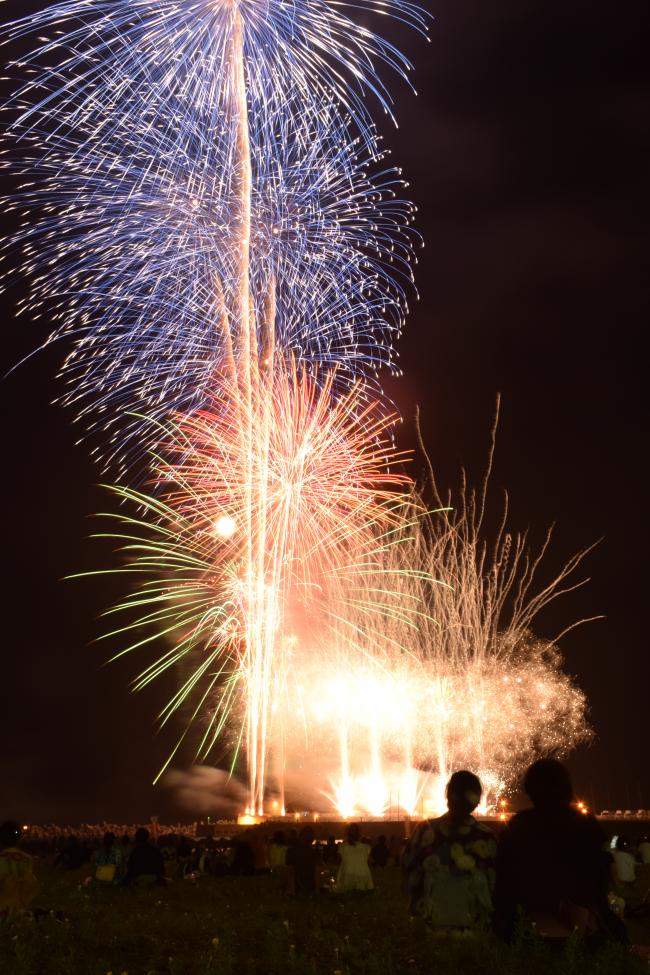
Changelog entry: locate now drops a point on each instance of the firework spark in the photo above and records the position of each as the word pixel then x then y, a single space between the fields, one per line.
pixel 209 216
pixel 97 60
pixel 456 679
pixel 134 260
pixel 262 514
pixel 152 200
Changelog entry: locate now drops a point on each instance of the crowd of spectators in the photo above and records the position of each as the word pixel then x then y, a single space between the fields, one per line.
pixel 551 866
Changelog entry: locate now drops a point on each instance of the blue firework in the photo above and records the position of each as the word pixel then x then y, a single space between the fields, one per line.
pixel 99 55
pixel 132 249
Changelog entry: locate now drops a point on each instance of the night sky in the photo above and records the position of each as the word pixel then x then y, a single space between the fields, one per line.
pixel 523 151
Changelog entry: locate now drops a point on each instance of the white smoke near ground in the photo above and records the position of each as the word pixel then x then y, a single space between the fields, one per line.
pixel 203 790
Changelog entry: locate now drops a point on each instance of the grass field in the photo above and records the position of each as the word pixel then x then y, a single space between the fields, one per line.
pixel 244 926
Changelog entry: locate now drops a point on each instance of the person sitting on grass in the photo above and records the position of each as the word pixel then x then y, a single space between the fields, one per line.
pixel 379 853
pixel 243 859
pixel 146 866
pixel 72 854
pixel 303 863
pixel 18 883
pixel 449 862
pixel 277 852
pixel 331 852
pixel 624 871
pixel 643 850
pixel 394 851
pixel 260 850
pixel 107 861
pixel 354 872
pixel 553 869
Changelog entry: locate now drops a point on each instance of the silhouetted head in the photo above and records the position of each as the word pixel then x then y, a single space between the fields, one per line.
pixel 463 793
pixel 331 841
pixel 621 844
pixel 126 840
pixel 306 836
pixel 278 838
pixel 547 783
pixel 109 840
pixel 353 833
pixel 10 834
pixel 141 836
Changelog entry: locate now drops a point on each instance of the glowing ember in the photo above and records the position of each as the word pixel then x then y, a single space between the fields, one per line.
pixel 225 526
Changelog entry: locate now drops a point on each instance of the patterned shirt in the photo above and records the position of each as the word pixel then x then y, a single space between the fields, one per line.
pixel 450 871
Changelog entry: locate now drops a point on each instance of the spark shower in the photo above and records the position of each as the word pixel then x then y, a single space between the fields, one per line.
pixel 204 213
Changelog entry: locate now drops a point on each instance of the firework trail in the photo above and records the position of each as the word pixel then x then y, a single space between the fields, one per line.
pixel 135 263
pixel 244 541
pixel 200 234
pixel 456 679
pixel 180 153
pixel 171 60
pixel 207 213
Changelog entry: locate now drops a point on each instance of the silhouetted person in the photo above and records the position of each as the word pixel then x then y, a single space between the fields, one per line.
pixel 394 850
pixel 553 868
pixel 72 855
pixel 449 862
pixel 379 853
pixel 644 850
pixel 259 846
pixel 243 863
pixel 108 860
pixel 146 865
pixel 304 860
pixel 330 852
pixel 18 884
pixel 278 851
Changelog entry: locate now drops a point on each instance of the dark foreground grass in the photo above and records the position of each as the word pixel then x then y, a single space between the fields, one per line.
pixel 243 926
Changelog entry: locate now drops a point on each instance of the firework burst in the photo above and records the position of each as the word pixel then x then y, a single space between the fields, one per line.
pixel 263 512
pixel 152 200
pixel 91 61
pixel 134 260
pixel 208 215
pixel 458 678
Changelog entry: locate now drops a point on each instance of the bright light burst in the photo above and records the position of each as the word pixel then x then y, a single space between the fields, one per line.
pixel 398 730
pixel 265 518
pixel 208 214
pixel 206 224
pixel 457 679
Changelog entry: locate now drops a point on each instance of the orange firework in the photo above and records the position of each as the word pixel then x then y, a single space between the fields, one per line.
pixel 265 507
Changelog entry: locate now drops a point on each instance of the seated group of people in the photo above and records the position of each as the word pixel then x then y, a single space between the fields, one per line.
pixel 551 867
pixel 19 885
pixel 304 866
pixel 142 864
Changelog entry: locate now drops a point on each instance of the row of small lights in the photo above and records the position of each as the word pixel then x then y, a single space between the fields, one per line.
pixel 247 819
